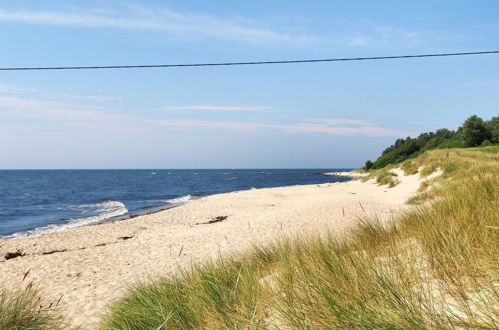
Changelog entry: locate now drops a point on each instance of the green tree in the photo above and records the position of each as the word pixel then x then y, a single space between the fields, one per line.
pixel 474 131
pixel 493 126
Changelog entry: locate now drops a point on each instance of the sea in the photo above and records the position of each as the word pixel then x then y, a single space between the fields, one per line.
pixel 36 202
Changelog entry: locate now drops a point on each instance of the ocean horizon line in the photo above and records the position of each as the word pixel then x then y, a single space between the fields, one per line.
pixel 178 169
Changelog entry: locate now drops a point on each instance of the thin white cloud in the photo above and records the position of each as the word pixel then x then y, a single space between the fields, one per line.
pixel 15 103
pixel 374 35
pixel 173 23
pixel 92 98
pixel 44 93
pixel 65 113
pixel 10 88
pixel 205 124
pixel 222 108
pixel 374 131
pixel 343 121
pixel 16 110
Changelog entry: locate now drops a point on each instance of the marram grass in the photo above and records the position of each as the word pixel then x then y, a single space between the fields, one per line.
pixel 24 309
pixel 435 267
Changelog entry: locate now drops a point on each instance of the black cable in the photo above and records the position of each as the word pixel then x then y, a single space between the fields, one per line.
pixel 245 63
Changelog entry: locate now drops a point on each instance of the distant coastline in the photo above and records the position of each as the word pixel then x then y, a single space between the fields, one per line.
pixel 349 174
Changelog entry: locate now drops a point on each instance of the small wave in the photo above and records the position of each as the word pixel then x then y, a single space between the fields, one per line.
pixel 109 209
pixel 179 200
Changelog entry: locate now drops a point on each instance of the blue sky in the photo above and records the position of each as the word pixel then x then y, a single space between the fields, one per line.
pixel 308 115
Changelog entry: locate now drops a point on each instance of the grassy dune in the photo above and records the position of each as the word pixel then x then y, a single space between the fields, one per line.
pixel 435 267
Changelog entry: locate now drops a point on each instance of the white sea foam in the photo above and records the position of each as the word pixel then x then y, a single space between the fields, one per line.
pixel 179 200
pixel 107 210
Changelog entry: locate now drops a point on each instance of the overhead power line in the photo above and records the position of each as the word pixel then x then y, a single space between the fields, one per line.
pixel 244 63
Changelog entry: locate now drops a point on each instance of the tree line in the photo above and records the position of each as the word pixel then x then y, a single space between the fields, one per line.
pixel 473 132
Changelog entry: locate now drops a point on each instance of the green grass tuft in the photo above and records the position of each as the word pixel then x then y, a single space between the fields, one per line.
pixel 24 309
pixel 491 149
pixel 387 178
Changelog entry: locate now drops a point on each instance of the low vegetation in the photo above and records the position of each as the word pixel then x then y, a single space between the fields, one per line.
pixel 472 133
pixel 433 268
pixel 24 309
pixel 388 178
pixel 384 176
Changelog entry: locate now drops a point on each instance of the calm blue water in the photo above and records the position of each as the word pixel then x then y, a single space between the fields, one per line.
pixel 41 201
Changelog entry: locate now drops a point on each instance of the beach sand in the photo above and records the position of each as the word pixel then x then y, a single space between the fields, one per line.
pixel 91 266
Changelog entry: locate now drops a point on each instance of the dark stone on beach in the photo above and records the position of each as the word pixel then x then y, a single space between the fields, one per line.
pixel 12 255
pixel 220 218
pixel 125 237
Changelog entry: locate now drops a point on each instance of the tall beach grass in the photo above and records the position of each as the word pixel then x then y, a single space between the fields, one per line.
pixel 435 267
pixel 24 309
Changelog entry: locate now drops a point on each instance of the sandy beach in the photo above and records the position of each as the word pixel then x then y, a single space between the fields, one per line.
pixel 91 266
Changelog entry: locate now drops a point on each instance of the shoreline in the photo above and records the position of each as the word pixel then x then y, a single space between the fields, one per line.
pixel 91 266
pixel 148 211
